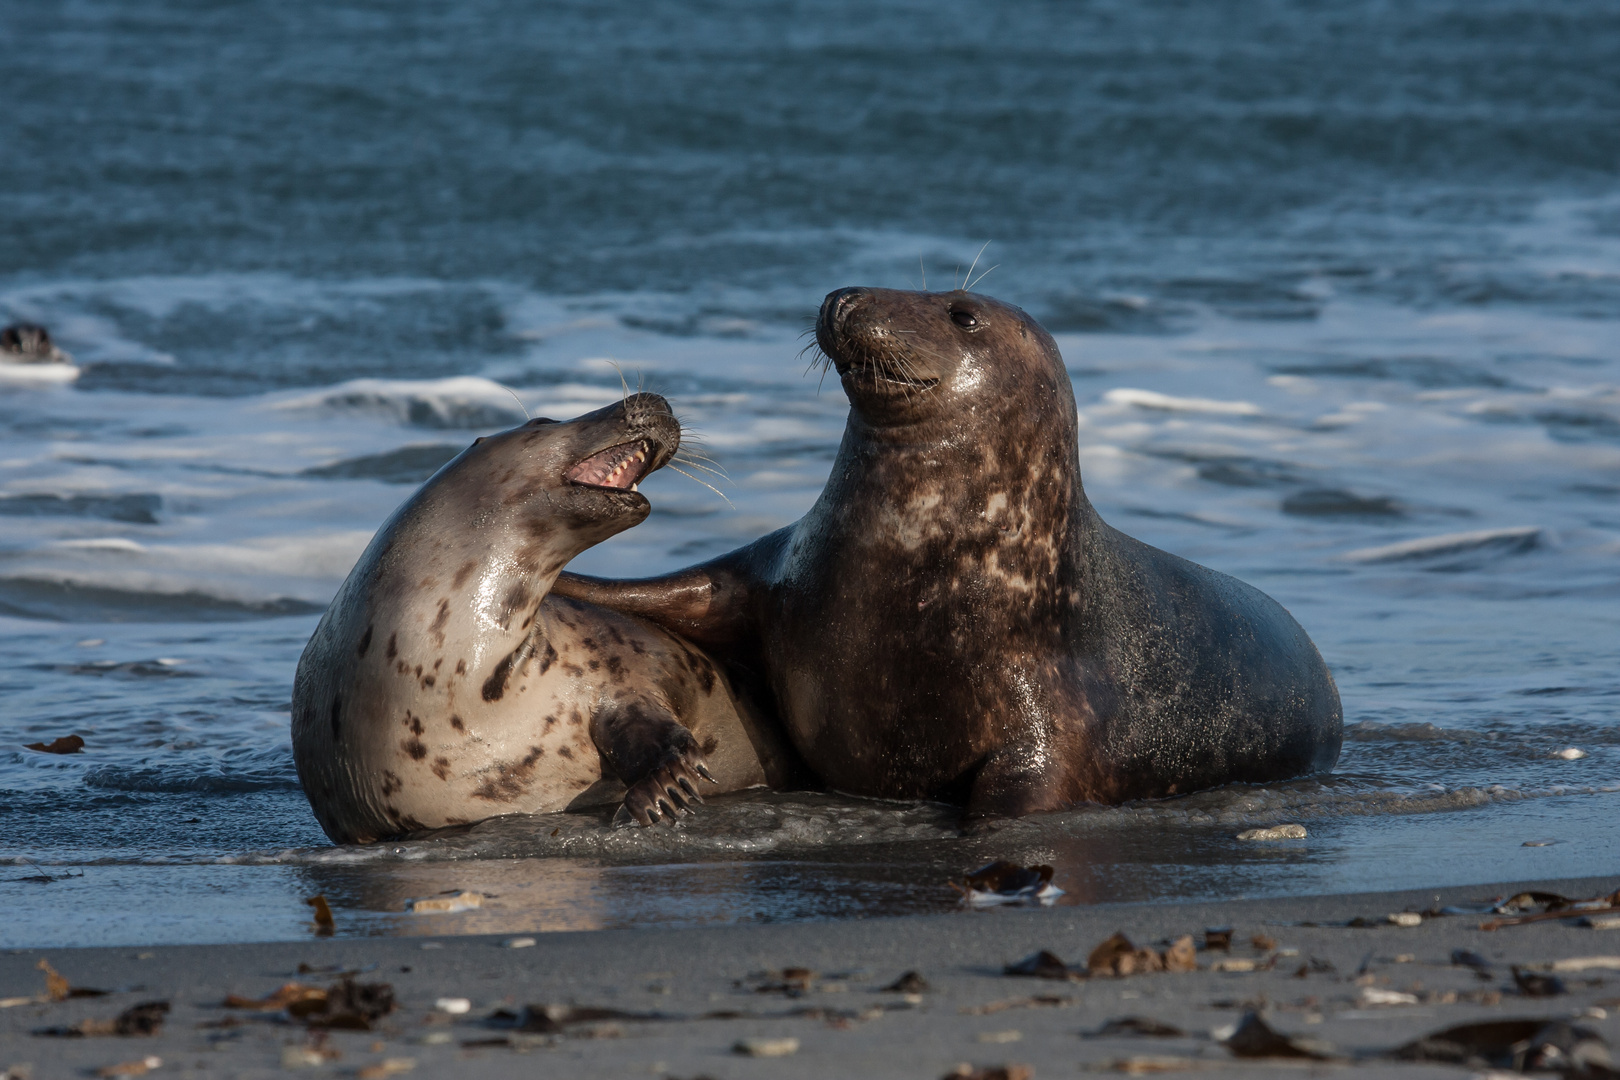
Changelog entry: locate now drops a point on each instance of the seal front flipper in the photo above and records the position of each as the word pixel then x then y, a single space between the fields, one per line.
pixel 712 603
pixel 658 760
pixel 1016 780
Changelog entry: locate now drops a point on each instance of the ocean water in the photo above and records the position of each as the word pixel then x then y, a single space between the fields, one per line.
pixel 1338 285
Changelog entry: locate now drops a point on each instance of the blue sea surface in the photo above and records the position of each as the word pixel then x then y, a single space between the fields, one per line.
pixel 1338 285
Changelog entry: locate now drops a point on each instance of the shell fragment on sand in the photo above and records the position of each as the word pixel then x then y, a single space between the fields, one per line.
pixel 455 1006
pixel 766 1047
pixel 1276 832
pixel 445 903
pixel 1405 918
pixel 1372 995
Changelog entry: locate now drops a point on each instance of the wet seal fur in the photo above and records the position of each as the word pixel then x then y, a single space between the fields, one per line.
pixel 444 685
pixel 953 620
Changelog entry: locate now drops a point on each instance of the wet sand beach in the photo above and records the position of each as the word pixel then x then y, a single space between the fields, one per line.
pixel 822 984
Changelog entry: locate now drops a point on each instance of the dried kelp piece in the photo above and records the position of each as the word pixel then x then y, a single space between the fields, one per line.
pixel 1033 1001
pixel 1181 955
pixel 1137 1025
pixel 1536 984
pixel 67 744
pixel 789 982
pixel 324 923
pixel 1147 1064
pixel 1526 902
pixel 1520 1045
pixel 909 983
pixel 965 1071
pixel 57 987
pixel 1004 882
pixel 143 1019
pixel 1551 905
pixel 1042 965
pixel 1254 1038
pixel 1117 956
pixel 351 1006
pixel 1218 937
pixel 297 998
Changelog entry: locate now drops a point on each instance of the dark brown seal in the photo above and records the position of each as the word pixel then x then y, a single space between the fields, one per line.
pixel 444 685
pixel 953 620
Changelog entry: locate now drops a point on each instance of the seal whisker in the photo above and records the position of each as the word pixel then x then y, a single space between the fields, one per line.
pixel 517 399
pixel 975 263
pixel 711 470
pixel 980 278
pixel 700 480
pixel 924 271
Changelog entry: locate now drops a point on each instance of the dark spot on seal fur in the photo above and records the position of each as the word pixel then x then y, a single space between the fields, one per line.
pixel 414 747
pixel 455 722
pixel 418 671
pixel 428 681
pixel 710 744
pixel 463 574
pixel 495 685
pixel 391 782
pixel 461 667
pixel 563 751
pixel 337 707
pixel 416 724
pixel 393 645
pixel 402 667
pixel 546 658
pixel 509 779
pixel 437 629
pixel 365 643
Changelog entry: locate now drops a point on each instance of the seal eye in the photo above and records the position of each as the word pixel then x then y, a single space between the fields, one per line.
pixel 965 319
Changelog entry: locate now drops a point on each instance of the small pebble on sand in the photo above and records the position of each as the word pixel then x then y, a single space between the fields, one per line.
pixel 518 943
pixel 1406 918
pixel 1276 832
pixel 1000 1036
pixel 455 1006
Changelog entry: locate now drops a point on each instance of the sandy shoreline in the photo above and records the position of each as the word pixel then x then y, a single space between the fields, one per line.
pixel 852 1028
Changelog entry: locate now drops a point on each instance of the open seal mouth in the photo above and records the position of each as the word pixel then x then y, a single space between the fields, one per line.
pixel 618 468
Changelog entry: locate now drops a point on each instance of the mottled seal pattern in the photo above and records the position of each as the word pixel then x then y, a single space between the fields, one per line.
pixel 953 620
pixel 444 685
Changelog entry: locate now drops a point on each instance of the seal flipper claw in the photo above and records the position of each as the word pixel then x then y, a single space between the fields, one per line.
pixel 703 771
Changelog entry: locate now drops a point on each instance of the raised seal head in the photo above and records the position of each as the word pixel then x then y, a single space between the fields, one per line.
pixel 909 359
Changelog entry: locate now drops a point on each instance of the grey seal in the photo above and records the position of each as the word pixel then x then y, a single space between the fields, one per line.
pixel 953 620
pixel 444 685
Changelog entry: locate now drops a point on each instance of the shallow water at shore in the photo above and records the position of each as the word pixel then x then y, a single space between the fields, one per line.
pixel 1340 316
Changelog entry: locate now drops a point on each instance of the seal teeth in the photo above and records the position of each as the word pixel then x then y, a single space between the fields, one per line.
pixel 620 467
